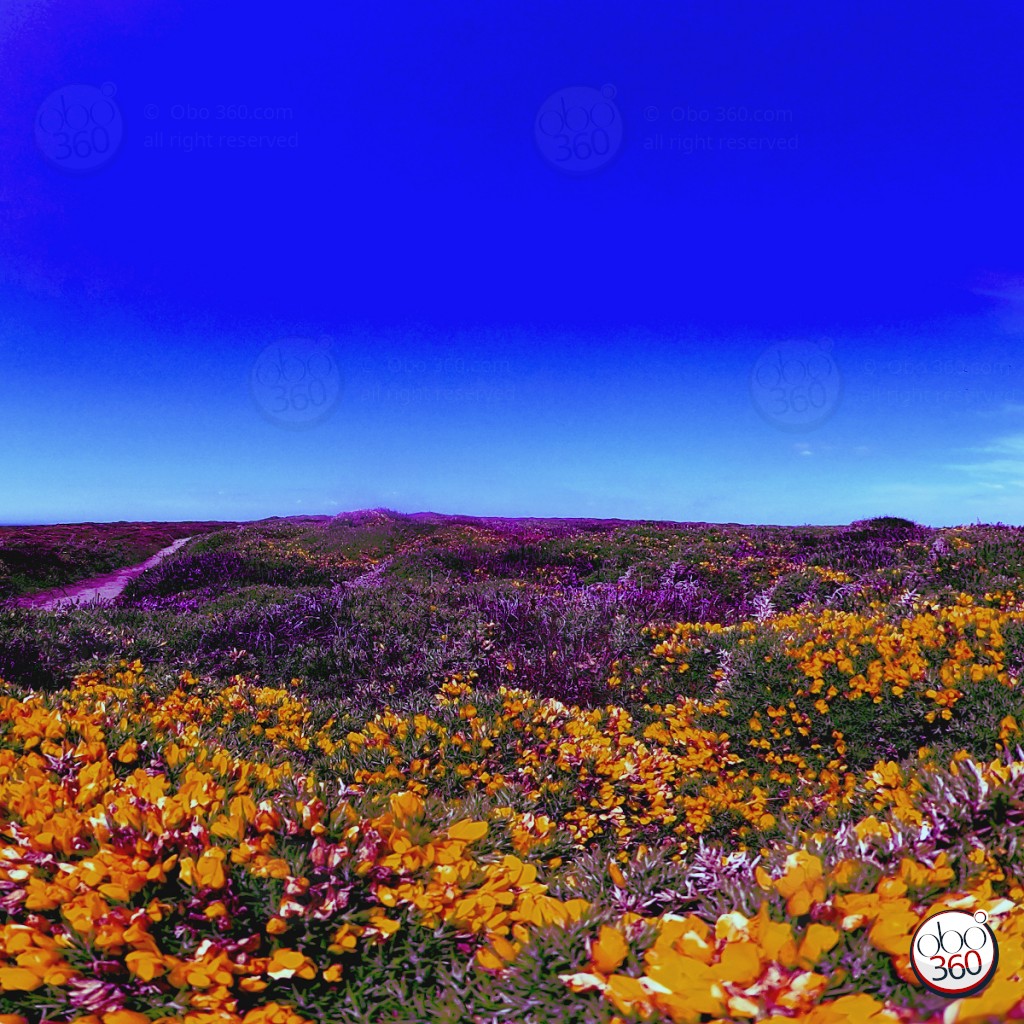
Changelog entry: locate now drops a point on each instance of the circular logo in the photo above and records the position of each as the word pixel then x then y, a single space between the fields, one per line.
pixel 796 385
pixel 79 127
pixel 953 953
pixel 579 129
pixel 296 383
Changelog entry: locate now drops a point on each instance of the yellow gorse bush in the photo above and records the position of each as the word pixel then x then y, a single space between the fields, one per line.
pixel 193 850
pixel 86 845
pixel 763 968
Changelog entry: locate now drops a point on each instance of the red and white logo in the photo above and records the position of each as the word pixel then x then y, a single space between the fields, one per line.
pixel 954 953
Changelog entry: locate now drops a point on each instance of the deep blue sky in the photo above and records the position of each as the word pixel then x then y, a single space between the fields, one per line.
pixel 498 330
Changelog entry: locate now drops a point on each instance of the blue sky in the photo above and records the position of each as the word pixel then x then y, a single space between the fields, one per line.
pixel 695 261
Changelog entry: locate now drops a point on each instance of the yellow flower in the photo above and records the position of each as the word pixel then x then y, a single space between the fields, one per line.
pixel 802 885
pixel 855 1009
pixel 207 872
pixel 489 960
pixel 346 938
pixel 18 979
pixel 127 753
pixel 125 1017
pixel 818 939
pixel 696 986
pixel 995 1001
pixel 892 931
pixel 407 807
pixel 627 993
pixel 467 831
pixel 284 963
pixel 145 964
pixel 740 963
pixel 272 1013
pixel 609 950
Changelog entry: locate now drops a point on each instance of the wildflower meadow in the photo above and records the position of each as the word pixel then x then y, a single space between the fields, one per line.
pixel 394 768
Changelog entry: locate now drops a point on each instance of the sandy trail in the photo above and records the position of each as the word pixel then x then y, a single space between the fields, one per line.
pixel 102 587
pixel 372 576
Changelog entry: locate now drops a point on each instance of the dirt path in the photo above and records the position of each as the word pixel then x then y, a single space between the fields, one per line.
pixel 374 575
pixel 98 587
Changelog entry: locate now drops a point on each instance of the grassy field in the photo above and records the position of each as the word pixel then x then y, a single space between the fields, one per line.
pixel 380 767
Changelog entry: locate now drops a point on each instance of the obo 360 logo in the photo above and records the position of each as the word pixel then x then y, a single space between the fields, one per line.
pixel 954 954
pixel 796 385
pixel 79 127
pixel 579 129
pixel 296 382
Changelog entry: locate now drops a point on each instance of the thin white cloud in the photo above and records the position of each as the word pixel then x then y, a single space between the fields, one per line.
pixel 806 448
pixel 1007 294
pixel 1004 287
pixel 899 490
pixel 1005 408
pixel 1001 458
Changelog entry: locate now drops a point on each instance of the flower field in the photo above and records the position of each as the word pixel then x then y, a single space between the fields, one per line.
pixel 38 557
pixel 385 768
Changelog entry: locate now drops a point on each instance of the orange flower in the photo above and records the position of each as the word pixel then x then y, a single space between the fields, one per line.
pixel 803 884
pixel 18 979
pixel 273 1013
pixel 818 939
pixel 288 962
pixel 207 872
pixel 127 753
pixel 609 950
pixel 145 964
pixel 407 807
pixel 467 831
pixel 125 1017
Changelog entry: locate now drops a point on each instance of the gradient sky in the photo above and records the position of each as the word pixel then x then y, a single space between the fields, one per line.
pixel 503 324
